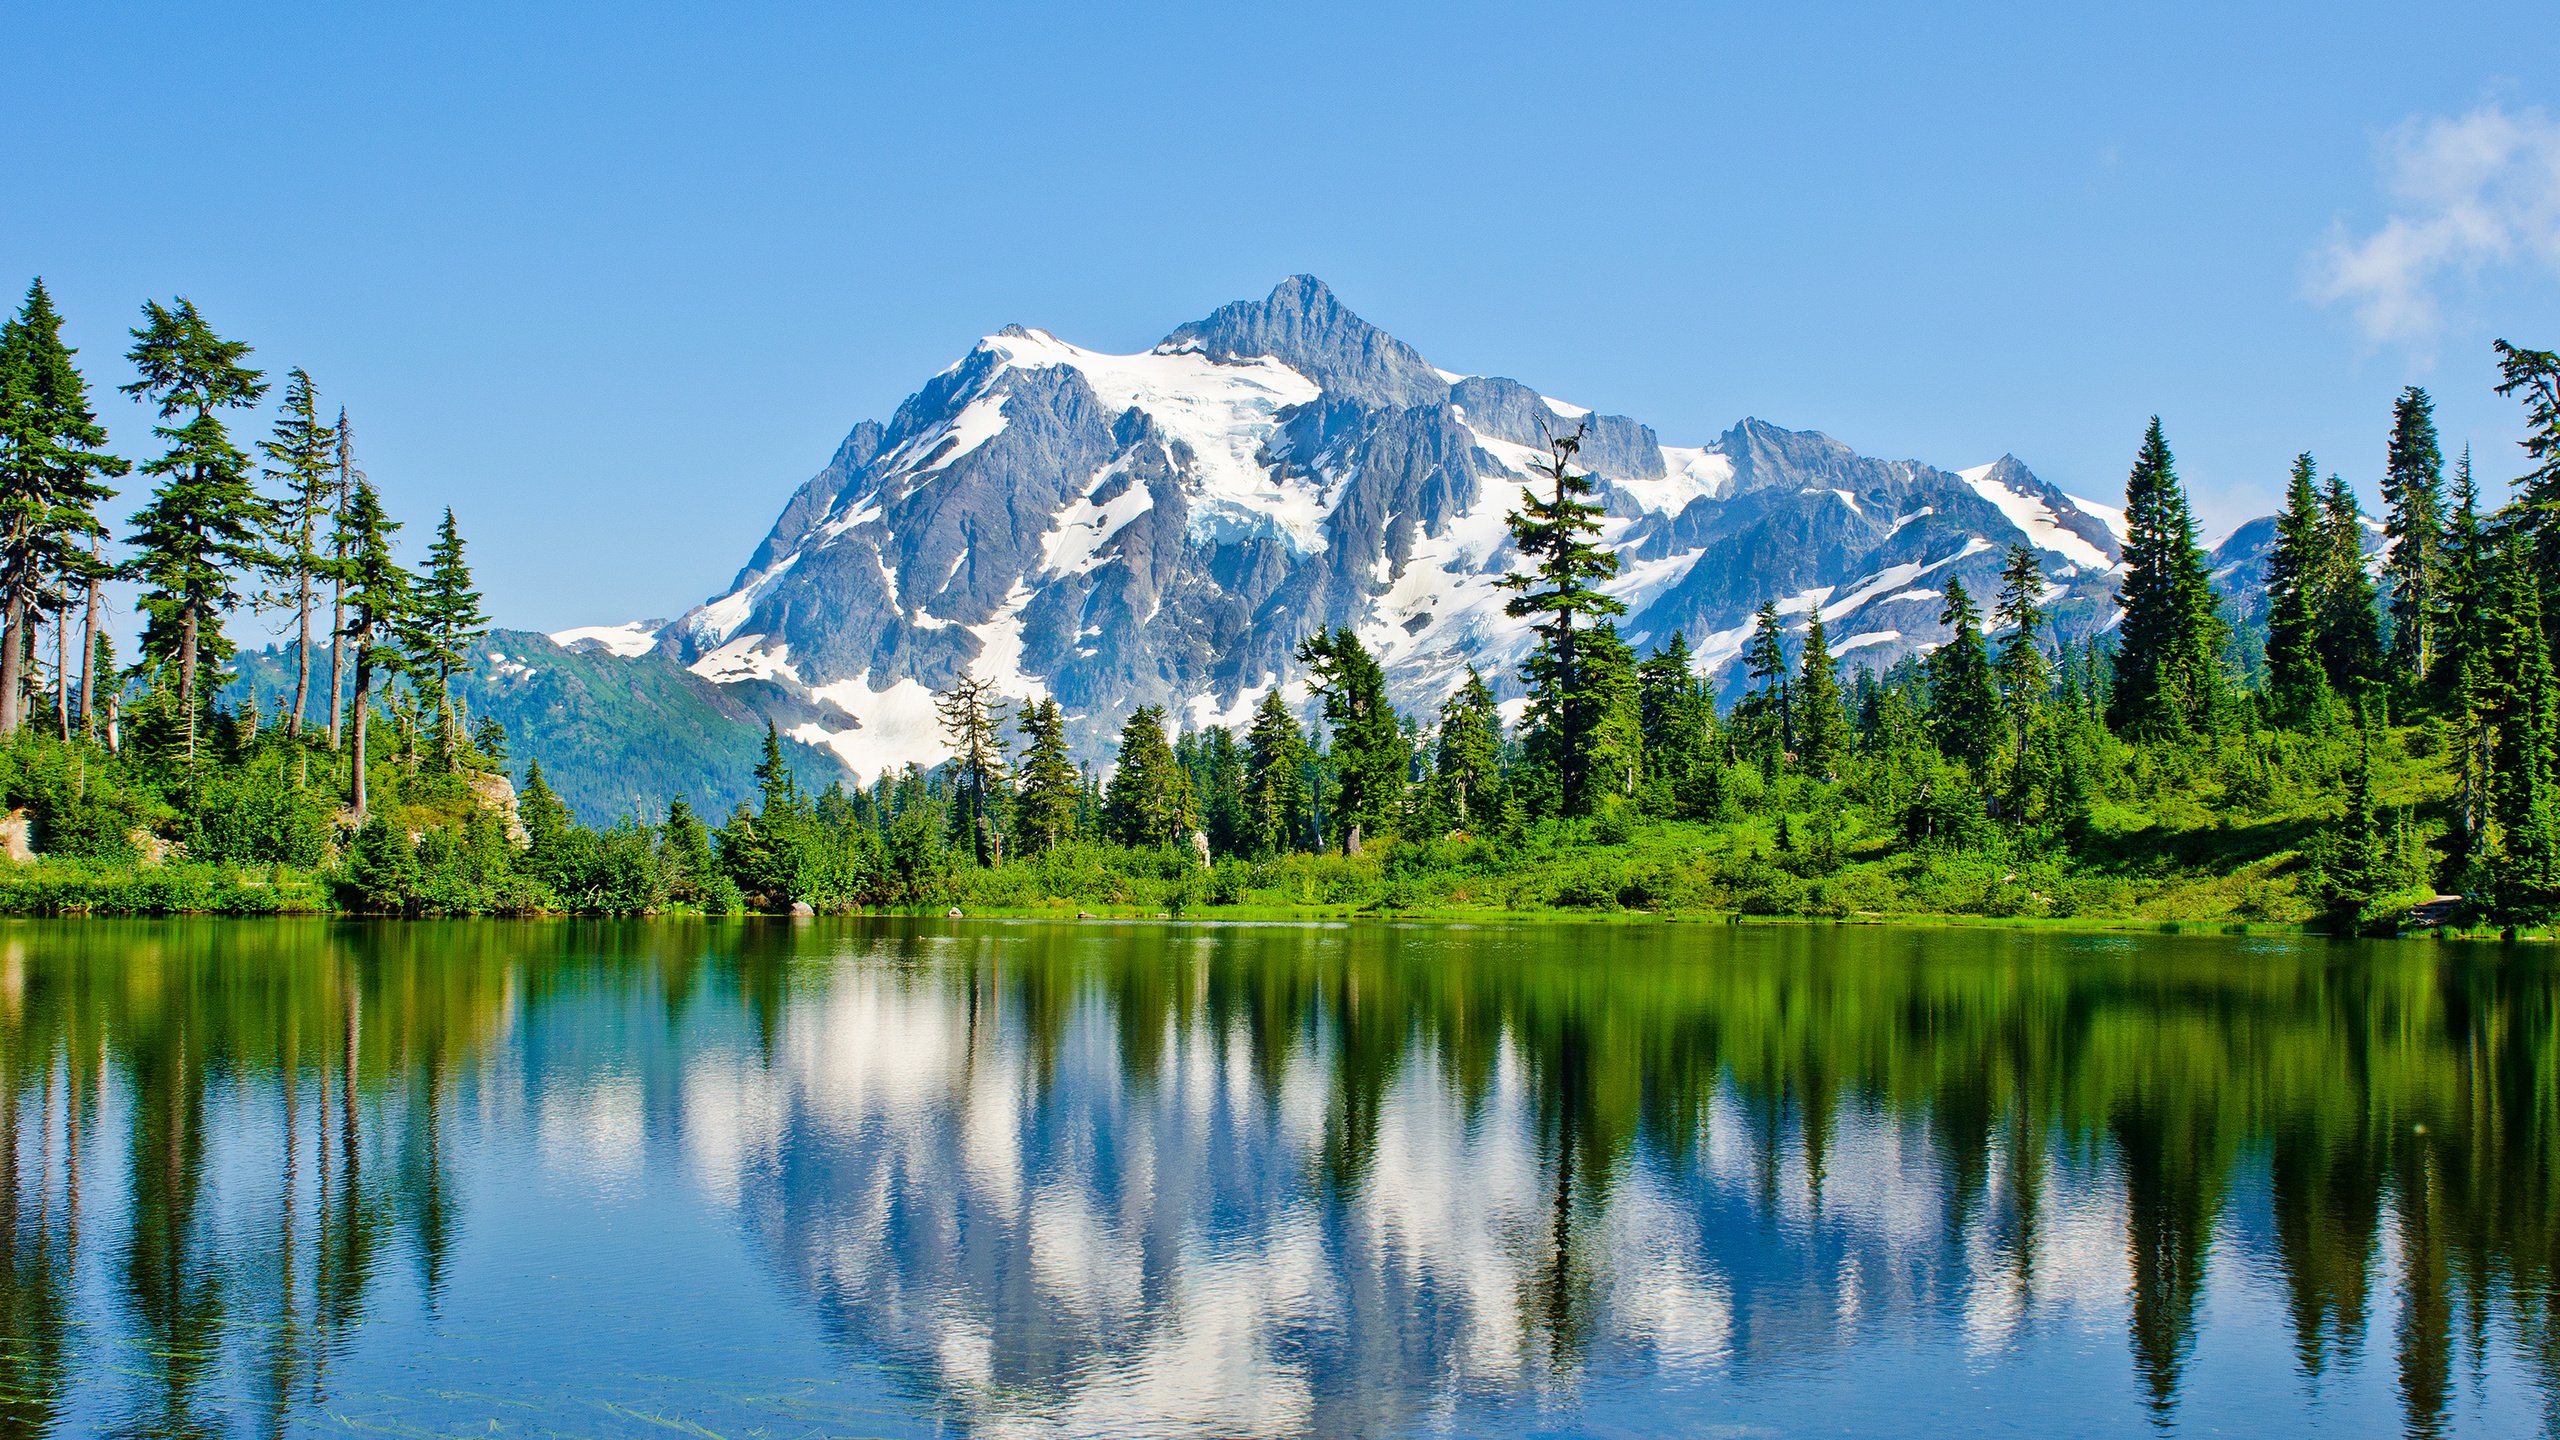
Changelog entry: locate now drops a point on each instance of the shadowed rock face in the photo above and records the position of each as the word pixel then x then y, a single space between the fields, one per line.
pixel 1164 528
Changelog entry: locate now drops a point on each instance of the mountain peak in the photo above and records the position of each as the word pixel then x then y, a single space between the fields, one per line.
pixel 1302 325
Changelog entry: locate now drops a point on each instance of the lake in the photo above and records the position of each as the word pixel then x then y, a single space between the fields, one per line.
pixel 932 1178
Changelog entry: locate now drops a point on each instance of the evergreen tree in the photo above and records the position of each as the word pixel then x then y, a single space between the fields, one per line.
pixel 971 714
pixel 443 623
pixel 1679 723
pixel 2413 495
pixel 2349 648
pixel 301 461
pixel 776 786
pixel 202 526
pixel 1964 705
pixel 2533 376
pixel 1822 727
pixel 2524 867
pixel 377 605
pixel 1279 810
pixel 1764 660
pixel 348 475
pixel 1215 769
pixel 1612 692
pixel 2024 676
pixel 693 874
pixel 1148 802
pixel 1045 811
pixel 2297 674
pixel 2459 675
pixel 2167 679
pixel 1568 715
pixel 2349 871
pixel 52 472
pixel 1369 754
pixel 1468 765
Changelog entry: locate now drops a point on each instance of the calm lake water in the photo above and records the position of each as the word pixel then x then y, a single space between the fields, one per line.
pixel 928 1178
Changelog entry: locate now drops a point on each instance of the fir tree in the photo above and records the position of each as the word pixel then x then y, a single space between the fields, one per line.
pixel 52 472
pixel 2349 648
pixel 202 526
pixel 301 461
pixel 2533 376
pixel 1964 705
pixel 2459 675
pixel 2167 679
pixel 1764 661
pixel 971 713
pixel 1615 766
pixel 2524 868
pixel 1822 727
pixel 1678 717
pixel 2297 566
pixel 1567 713
pixel 1278 808
pixel 444 622
pixel 2024 675
pixel 2413 495
pixel 348 476
pixel 776 786
pixel 1468 765
pixel 1148 802
pixel 1045 810
pixel 377 604
pixel 1369 754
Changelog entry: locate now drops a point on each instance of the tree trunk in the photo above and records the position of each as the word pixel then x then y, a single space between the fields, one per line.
pixel 89 655
pixel 337 648
pixel 187 676
pixel 302 651
pixel 62 672
pixel 364 681
pixel 13 674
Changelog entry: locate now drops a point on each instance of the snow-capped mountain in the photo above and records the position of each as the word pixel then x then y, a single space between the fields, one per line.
pixel 1165 527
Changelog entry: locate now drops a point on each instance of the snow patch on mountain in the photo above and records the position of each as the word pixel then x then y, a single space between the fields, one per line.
pixel 2035 519
pixel 638 637
pixel 1220 409
pixel 746 658
pixel 892 727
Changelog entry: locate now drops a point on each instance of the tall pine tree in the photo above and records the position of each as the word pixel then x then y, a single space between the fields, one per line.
pixel 1568 714
pixel 1369 751
pixel 2297 569
pixel 2167 666
pixel 444 621
pixel 2413 495
pixel 1468 765
pixel 1044 810
pixel 202 527
pixel 1964 704
pixel 301 461
pixel 1279 810
pixel 2024 675
pixel 53 466
pixel 377 605
pixel 1822 727
pixel 1148 802
pixel 2349 647
pixel 971 711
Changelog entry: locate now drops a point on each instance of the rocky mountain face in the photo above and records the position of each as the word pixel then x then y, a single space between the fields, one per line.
pixel 1166 527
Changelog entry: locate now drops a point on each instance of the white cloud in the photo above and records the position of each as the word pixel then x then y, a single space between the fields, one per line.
pixel 2467 193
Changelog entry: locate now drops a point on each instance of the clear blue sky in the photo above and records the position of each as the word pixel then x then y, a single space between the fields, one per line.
pixel 612 279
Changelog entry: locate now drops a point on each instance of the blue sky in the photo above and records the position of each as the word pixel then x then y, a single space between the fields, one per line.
pixel 612 279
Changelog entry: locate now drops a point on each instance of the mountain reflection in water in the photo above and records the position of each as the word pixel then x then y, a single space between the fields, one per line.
pixel 907 1177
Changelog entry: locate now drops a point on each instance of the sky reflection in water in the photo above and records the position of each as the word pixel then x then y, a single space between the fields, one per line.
pixel 911 1177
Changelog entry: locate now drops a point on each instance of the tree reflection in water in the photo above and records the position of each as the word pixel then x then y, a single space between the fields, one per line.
pixel 1277 1179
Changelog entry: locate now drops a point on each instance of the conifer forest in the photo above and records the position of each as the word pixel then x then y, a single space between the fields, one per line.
pixel 2374 744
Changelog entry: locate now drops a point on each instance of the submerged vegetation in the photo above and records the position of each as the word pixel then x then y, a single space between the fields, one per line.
pixel 2379 739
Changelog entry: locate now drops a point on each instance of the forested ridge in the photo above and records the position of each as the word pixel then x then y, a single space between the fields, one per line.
pixel 2392 735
